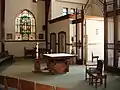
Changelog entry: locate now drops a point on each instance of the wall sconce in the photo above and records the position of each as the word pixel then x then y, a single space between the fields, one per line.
pixel 35 1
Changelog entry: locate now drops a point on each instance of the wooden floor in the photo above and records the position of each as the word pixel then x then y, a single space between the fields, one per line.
pixel 74 80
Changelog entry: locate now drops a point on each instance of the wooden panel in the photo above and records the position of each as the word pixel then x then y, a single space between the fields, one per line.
pixel 58 88
pixel 43 87
pixel 2 79
pixel 11 82
pixel 26 85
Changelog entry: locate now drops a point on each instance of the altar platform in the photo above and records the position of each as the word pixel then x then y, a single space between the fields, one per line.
pixel 73 80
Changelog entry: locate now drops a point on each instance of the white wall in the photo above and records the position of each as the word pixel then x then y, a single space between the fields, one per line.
pixel 12 8
pixel 57 6
pixel 95 42
pixel 57 27
pixel 74 1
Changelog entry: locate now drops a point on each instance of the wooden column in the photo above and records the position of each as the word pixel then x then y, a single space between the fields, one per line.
pixel 82 31
pixel 115 33
pixel 105 36
pixel 47 6
pixel 76 29
pixel 2 12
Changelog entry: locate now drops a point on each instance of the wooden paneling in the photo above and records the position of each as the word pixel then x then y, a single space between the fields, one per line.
pixel 58 88
pixel 44 87
pixel 26 85
pixel 59 19
pixel 11 82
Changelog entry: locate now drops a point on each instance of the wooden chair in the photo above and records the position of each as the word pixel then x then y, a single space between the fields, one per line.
pixel 43 87
pixel 94 57
pixel 26 85
pixel 98 69
pixel 58 88
pixel 11 83
pixel 96 76
pixel 29 52
pixel 2 78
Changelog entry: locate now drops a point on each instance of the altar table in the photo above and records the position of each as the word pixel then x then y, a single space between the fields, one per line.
pixel 57 63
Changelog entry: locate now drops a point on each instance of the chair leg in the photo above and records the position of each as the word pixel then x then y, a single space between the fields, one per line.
pixel 86 73
pixel 101 81
pixel 90 80
pixel 105 81
pixel 96 83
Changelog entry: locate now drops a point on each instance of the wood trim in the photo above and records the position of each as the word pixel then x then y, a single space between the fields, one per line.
pixel 24 41
pixel 111 13
pixel 67 44
pixel 59 19
pixel 77 21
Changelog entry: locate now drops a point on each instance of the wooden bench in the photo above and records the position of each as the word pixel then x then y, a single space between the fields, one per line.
pixel 26 85
pixel 2 82
pixel 44 87
pixel 96 77
pixel 4 56
pixel 11 83
pixel 29 52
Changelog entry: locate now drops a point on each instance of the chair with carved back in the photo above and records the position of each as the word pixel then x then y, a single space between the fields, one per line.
pixel 43 87
pixel 94 57
pixel 97 69
pixel 11 83
pixel 26 85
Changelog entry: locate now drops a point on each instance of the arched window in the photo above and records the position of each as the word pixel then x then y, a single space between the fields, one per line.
pixel 25 26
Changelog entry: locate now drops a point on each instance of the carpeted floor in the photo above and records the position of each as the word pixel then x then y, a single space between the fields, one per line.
pixel 74 79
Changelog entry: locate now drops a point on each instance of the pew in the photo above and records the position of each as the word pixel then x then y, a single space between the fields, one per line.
pixel 4 56
pixel 2 82
pixel 11 83
pixel 26 85
pixel 44 87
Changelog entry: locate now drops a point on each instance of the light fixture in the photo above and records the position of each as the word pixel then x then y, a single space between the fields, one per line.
pixel 35 1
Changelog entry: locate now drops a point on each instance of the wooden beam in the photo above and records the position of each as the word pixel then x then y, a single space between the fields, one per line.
pixel 115 33
pixel 47 6
pixel 105 37
pixel 2 12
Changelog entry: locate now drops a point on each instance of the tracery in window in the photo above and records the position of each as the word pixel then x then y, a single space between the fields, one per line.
pixel 25 26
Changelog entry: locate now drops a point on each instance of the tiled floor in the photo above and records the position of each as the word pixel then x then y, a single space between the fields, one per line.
pixel 74 79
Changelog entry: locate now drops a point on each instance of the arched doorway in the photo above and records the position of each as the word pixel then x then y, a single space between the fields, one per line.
pixel 94 25
pixel 53 42
pixel 62 42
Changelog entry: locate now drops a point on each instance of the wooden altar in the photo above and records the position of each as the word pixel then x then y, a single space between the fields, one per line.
pixel 58 63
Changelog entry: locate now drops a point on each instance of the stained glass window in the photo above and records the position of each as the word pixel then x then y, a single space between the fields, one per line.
pixel 25 26
pixel 65 11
